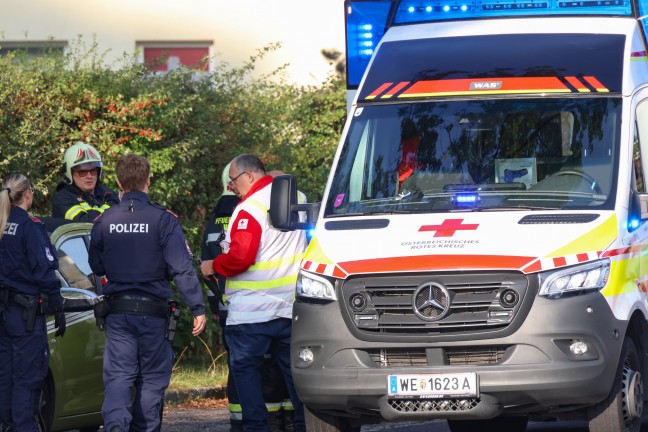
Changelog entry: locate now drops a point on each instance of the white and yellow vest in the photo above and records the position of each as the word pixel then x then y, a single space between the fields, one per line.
pixel 267 289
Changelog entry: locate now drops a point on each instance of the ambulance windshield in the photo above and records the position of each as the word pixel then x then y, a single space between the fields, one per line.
pixel 477 155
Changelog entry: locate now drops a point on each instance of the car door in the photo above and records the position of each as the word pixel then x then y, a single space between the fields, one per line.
pixel 76 360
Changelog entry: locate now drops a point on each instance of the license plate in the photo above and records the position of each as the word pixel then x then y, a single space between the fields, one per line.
pixel 433 386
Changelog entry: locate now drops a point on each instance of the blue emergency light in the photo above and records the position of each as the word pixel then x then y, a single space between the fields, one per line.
pixel 413 11
pixel 465 199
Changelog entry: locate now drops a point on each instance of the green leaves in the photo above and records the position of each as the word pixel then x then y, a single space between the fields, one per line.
pixel 189 127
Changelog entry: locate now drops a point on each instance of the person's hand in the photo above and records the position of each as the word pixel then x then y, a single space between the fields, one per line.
pixel 59 323
pixel 199 324
pixel 207 268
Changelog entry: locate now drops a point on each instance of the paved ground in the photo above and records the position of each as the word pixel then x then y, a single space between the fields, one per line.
pixel 187 418
pixel 206 410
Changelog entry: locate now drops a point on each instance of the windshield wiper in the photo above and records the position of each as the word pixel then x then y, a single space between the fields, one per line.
pixel 508 208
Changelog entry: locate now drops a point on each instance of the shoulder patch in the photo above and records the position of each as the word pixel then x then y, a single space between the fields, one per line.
pixel 98 217
pixel 161 207
pixel 35 219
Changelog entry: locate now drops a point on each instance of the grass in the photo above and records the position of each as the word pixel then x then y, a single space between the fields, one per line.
pixel 188 375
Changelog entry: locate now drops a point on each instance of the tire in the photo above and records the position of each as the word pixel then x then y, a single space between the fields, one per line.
pixel 320 422
pixel 621 411
pixel 45 413
pixel 497 424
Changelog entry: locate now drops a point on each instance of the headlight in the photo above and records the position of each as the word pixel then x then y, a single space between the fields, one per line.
pixel 313 286
pixel 587 277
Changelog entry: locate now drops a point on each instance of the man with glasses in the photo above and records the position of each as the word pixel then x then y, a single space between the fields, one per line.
pixel 81 197
pixel 261 266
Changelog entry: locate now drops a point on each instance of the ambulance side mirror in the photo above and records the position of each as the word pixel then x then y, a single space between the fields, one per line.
pixel 285 208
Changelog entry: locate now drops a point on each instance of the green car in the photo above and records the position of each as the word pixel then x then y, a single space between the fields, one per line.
pixel 72 394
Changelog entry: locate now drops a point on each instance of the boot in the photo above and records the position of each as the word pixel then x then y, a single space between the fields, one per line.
pixel 288 420
pixel 236 425
pixel 274 421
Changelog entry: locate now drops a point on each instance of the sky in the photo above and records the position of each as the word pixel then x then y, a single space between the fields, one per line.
pixel 237 27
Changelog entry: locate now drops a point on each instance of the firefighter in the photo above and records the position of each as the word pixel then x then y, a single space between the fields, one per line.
pixel 81 196
pixel 29 289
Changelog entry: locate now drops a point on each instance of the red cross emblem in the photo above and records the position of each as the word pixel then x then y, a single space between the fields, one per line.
pixel 448 227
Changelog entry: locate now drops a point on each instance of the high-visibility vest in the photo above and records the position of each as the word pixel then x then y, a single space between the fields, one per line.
pixel 266 290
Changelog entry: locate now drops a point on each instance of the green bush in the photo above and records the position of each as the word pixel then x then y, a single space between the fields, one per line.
pixel 189 128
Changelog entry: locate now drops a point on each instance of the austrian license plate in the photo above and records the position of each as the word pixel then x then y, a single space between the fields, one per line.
pixel 433 386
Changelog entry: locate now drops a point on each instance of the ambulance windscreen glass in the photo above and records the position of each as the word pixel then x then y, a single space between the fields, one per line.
pixel 535 152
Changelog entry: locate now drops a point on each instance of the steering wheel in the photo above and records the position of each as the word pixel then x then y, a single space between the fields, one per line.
pixel 594 186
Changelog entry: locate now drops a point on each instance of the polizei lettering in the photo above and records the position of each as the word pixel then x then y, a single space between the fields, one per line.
pixel 129 228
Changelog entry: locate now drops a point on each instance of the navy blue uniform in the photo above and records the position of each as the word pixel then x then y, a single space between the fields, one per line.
pixel 28 264
pixel 139 246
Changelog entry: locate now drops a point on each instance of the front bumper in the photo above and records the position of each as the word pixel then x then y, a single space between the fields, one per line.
pixel 535 374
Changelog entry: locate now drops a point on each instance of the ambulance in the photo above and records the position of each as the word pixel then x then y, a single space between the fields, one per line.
pixel 480 251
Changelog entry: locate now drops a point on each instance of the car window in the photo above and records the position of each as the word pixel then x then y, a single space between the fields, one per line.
pixel 73 264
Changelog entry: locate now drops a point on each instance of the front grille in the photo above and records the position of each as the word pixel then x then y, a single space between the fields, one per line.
pixel 472 302
pixel 476 356
pixel 433 405
pixel 398 358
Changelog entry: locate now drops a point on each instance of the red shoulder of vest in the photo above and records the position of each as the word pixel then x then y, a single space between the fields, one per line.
pixel 35 219
pixel 173 214
pixel 98 217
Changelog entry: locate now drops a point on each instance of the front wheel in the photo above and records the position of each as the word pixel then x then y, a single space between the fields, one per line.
pixel 508 424
pixel 621 411
pixel 320 422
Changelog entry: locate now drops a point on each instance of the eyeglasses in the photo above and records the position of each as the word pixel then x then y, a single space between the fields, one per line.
pixel 89 172
pixel 232 181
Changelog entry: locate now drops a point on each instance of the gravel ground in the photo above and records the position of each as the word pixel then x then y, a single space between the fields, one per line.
pixel 213 417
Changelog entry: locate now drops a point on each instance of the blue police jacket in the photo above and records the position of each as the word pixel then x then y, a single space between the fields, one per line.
pixel 29 261
pixel 139 246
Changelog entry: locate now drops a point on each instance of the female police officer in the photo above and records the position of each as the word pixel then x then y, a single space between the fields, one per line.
pixel 28 289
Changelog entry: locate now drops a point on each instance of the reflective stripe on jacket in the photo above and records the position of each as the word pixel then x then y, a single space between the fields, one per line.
pixel 266 290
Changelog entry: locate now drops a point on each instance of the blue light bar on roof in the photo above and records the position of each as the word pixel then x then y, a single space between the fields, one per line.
pixel 412 11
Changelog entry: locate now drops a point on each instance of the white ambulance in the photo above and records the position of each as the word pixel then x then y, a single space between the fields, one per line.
pixel 481 250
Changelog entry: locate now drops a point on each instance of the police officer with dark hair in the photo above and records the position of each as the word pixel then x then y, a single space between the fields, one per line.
pixel 138 245
pixel 29 289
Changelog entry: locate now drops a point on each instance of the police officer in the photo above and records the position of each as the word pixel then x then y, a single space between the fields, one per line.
pixel 81 196
pixel 139 245
pixel 29 289
pixel 213 235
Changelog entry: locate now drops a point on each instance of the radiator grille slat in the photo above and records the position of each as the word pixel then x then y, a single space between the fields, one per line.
pixel 476 356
